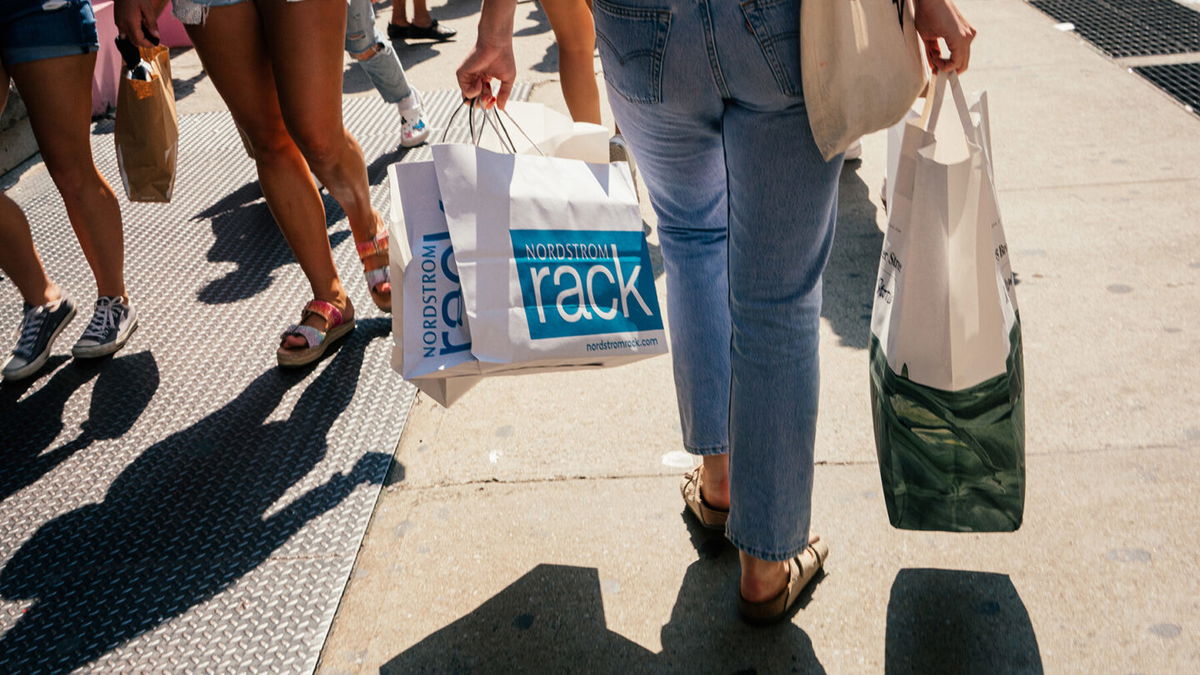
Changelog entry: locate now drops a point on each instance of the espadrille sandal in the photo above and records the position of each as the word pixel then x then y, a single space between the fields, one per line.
pixel 378 276
pixel 318 341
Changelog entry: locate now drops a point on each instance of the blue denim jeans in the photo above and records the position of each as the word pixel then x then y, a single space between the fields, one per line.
pixel 384 67
pixel 708 94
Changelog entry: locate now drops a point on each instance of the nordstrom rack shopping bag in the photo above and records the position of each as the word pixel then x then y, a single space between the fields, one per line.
pixel 432 345
pixel 553 262
pixel 947 388
pixel 147 131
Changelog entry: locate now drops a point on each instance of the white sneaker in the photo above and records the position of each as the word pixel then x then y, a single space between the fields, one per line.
pixel 413 129
pixel 112 323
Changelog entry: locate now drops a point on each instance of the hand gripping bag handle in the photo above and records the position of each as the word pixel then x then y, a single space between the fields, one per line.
pixel 493 119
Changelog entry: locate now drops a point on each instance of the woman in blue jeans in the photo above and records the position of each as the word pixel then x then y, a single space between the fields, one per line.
pixel 708 94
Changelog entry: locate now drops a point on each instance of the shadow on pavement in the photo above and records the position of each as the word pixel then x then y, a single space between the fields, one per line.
pixel 541 25
pixel 549 62
pixel 124 388
pixel 951 621
pixel 247 236
pixel 849 280
pixel 377 169
pixel 185 88
pixel 182 523
pixel 552 619
pixel 355 80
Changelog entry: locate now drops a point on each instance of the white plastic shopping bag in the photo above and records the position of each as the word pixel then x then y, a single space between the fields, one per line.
pixel 552 258
pixel 946 364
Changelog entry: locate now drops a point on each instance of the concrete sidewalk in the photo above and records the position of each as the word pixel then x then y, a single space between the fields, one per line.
pixel 538 525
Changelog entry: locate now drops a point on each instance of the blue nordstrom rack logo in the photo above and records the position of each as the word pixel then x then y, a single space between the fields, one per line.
pixel 585 282
pixel 441 297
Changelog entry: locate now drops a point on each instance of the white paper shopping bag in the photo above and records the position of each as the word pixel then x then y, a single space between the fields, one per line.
pixel 553 261
pixel 432 342
pixel 538 130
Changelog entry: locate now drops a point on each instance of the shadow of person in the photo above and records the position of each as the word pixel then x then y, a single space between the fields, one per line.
pixel 413 53
pixel 541 22
pixel 124 388
pixel 951 621
pixel 193 514
pixel 849 280
pixel 246 235
pixel 552 619
pixel 185 88
pixel 549 62
pixel 377 169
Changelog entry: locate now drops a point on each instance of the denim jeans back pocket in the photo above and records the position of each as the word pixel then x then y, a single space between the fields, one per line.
pixel 632 41
pixel 776 28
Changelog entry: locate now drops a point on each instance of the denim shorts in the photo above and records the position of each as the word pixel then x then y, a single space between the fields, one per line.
pixel 192 12
pixel 31 30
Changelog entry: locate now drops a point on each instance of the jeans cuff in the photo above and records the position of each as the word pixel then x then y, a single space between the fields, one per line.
pixel 714 450
pixel 761 554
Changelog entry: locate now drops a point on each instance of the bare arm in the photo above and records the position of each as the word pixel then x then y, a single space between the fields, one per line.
pixel 492 56
pixel 941 19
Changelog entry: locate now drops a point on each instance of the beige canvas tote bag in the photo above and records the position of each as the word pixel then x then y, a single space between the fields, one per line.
pixel 861 66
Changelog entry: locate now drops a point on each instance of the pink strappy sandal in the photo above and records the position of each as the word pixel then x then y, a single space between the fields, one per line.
pixel 317 341
pixel 379 276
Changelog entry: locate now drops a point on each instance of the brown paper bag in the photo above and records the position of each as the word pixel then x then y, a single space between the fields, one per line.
pixel 147 131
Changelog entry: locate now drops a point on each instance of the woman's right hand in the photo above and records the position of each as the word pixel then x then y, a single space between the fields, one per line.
pixel 941 19
pixel 137 19
pixel 485 63
pixel 492 57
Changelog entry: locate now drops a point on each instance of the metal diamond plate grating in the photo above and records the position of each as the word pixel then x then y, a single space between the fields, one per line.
pixel 186 506
pixel 1181 80
pixel 1124 28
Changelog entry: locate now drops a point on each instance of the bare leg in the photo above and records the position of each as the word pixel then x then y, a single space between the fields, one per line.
pixel 760 579
pixel 400 12
pixel 18 257
pixel 421 15
pixel 309 86
pixel 61 120
pixel 234 53
pixel 575 33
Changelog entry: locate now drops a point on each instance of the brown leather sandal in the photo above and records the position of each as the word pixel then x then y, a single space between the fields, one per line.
pixel 801 570
pixel 709 516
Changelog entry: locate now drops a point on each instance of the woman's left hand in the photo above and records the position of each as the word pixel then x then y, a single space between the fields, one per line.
pixel 941 19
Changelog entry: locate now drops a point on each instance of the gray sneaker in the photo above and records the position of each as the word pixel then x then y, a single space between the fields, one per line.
pixel 35 336
pixel 111 326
